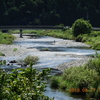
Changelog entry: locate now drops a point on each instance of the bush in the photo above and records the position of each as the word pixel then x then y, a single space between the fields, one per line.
pixel 6 38
pixel 29 59
pixel 94 63
pixel 23 84
pixel 81 26
pixel 83 80
pixel 15 49
pixel 76 78
pixel 2 54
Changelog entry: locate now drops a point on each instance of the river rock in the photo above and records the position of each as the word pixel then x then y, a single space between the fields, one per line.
pixel 13 61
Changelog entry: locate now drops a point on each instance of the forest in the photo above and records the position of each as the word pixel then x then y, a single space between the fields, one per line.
pixel 48 12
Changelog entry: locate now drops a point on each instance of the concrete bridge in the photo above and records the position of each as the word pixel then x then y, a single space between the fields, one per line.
pixel 29 28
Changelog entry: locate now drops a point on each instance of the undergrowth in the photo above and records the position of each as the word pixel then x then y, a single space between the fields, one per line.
pixel 6 38
pixel 83 80
pixel 23 84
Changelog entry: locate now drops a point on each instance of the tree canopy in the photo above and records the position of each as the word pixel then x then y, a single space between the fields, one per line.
pixel 48 12
pixel 81 26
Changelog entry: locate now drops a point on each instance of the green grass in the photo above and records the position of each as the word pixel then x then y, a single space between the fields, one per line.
pixel 15 49
pixel 67 34
pixel 92 39
pixel 2 54
pixel 45 49
pixel 26 31
pixel 6 38
pixel 84 80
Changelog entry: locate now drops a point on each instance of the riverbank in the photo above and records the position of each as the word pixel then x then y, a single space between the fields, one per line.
pixel 15 50
pixel 8 50
pixel 75 63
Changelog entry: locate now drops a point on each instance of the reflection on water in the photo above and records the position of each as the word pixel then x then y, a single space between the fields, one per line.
pixel 59 95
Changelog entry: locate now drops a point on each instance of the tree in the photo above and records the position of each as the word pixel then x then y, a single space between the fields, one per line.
pixel 81 26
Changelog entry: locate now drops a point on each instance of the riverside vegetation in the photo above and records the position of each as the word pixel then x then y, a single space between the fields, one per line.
pixel 6 38
pixel 23 84
pixel 83 80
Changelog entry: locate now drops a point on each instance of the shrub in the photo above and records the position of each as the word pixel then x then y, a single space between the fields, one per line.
pixel 15 49
pixel 2 54
pixel 76 80
pixel 54 82
pixel 29 59
pixel 23 84
pixel 94 63
pixel 6 38
pixel 81 26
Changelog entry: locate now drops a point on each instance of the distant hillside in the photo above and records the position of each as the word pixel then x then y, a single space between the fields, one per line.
pixel 48 12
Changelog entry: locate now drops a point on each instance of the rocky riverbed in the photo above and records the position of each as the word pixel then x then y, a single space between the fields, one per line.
pixel 16 50
pixel 74 63
pixel 9 50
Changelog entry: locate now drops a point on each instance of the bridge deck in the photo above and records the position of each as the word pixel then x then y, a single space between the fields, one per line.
pixel 29 27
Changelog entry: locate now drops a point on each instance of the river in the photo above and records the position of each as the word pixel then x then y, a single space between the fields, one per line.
pixel 56 54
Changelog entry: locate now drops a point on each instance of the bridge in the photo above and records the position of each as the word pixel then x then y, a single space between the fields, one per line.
pixel 35 27
pixel 20 27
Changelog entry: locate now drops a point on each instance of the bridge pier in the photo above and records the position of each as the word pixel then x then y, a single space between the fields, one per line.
pixel 21 33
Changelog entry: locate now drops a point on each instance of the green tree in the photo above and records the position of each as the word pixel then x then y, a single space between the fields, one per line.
pixel 81 26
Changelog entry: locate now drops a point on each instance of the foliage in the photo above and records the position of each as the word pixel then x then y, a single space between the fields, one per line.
pixel 2 62
pixel 47 12
pixel 81 26
pixel 45 49
pixel 83 80
pixel 2 54
pixel 6 38
pixel 93 39
pixel 76 77
pixel 94 63
pixel 15 49
pixel 23 84
pixel 29 59
pixel 58 33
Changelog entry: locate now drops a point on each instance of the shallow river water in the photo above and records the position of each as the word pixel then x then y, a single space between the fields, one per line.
pixel 50 59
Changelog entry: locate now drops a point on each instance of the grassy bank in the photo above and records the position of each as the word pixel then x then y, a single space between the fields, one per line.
pixel 6 38
pixel 83 80
pixel 93 38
